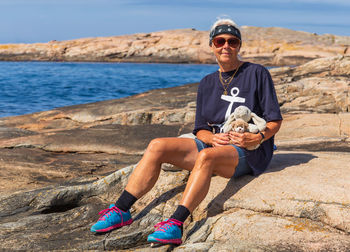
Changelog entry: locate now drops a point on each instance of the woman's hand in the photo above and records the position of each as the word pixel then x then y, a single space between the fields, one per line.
pixel 245 139
pixel 220 139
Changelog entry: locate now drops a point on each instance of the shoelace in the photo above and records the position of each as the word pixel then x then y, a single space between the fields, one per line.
pixel 107 212
pixel 164 225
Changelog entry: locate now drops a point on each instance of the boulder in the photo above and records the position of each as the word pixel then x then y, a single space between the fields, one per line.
pixel 269 46
pixel 59 168
pixel 319 86
pixel 301 203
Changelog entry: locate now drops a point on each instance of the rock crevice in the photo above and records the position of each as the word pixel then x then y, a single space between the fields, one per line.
pixel 59 168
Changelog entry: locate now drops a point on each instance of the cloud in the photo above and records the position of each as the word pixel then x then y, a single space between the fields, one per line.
pixel 337 2
pixel 252 3
pixel 267 2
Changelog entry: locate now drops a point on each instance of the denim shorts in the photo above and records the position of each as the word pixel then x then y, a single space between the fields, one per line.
pixel 242 167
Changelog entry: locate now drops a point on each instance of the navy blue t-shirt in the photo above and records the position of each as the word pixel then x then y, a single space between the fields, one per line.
pixel 252 87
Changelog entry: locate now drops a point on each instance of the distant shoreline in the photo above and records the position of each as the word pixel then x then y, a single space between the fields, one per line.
pixel 268 46
pixel 107 62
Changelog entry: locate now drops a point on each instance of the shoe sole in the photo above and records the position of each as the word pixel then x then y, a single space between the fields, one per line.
pixel 167 241
pixel 114 226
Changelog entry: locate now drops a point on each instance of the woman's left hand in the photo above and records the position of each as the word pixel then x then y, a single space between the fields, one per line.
pixel 245 139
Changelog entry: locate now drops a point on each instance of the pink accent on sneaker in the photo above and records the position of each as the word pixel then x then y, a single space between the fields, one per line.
pixel 116 226
pixel 106 212
pixel 174 241
pixel 170 222
pixel 165 225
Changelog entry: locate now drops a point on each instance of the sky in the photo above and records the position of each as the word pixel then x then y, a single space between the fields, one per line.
pixel 31 21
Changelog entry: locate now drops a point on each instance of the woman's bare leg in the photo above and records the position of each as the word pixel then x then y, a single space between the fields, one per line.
pixel 181 152
pixel 221 161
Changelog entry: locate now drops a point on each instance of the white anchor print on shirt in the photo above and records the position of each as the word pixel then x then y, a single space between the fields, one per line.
pixel 232 99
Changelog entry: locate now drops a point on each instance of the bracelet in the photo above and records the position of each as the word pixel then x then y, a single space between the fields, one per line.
pixel 262 137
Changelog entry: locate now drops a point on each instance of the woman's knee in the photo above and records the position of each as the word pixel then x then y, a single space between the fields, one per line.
pixel 221 161
pixel 157 146
pixel 205 159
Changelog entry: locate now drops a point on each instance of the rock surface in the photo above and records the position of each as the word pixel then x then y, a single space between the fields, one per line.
pixel 319 86
pixel 269 46
pixel 239 214
pixel 59 168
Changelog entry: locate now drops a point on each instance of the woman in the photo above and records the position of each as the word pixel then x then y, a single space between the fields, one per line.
pixel 235 83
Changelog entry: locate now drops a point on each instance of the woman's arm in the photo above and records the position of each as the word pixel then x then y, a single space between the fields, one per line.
pixel 247 139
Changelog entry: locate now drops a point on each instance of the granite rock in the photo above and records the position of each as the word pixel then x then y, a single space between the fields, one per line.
pixel 269 46
pixel 307 213
pixel 59 168
pixel 319 86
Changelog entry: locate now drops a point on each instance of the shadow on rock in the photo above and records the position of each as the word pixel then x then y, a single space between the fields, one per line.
pixel 279 162
pixel 215 206
pixel 162 198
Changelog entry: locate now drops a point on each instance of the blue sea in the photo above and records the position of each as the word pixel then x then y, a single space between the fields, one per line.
pixel 28 87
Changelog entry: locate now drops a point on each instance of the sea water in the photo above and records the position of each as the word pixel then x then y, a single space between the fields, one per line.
pixel 28 87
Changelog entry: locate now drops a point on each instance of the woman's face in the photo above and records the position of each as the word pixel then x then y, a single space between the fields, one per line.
pixel 226 53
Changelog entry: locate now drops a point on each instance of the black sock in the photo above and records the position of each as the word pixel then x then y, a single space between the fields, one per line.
pixel 125 201
pixel 181 213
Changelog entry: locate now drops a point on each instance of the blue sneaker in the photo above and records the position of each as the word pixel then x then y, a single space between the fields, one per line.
pixel 167 232
pixel 111 218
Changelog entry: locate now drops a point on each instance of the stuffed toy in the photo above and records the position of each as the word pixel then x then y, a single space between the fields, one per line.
pixel 243 113
pixel 240 126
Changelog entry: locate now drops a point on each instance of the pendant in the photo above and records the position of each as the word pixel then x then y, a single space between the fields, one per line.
pixel 225 92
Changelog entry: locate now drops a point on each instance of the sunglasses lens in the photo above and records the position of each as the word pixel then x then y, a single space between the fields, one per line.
pixel 233 42
pixel 219 42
